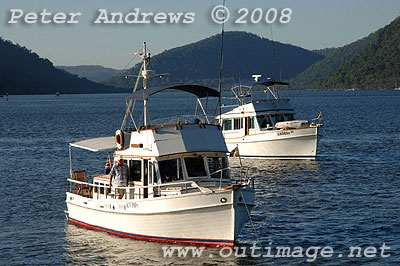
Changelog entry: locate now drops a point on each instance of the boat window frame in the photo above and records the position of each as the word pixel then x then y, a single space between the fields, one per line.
pixel 179 174
pixel 227 122
pixel 274 120
pixel 151 173
pixel 226 173
pixel 205 166
pixel 264 116
pixel 289 116
pixel 130 178
pixel 254 123
pixel 240 123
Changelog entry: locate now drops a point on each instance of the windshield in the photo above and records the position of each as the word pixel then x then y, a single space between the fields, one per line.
pixel 217 163
pixel 195 166
pixel 170 170
pixel 264 121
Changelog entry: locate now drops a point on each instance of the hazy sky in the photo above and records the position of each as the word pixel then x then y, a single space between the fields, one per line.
pixel 314 24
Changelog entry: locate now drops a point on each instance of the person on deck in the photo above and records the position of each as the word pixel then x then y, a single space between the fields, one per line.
pixel 118 178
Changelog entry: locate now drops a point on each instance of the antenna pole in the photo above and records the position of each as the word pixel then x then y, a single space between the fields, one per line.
pixel 238 69
pixel 145 84
pixel 221 64
pixel 273 53
pixel 130 102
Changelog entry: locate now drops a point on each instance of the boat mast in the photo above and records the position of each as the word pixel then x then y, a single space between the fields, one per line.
pixel 146 74
pixel 145 84
pixel 221 61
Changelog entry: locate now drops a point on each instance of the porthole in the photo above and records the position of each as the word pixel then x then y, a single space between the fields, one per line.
pixel 223 200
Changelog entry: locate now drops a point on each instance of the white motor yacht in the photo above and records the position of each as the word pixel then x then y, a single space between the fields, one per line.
pixel 267 128
pixel 179 185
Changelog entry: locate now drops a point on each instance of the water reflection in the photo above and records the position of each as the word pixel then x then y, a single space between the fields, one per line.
pixel 260 165
pixel 276 173
pixel 87 247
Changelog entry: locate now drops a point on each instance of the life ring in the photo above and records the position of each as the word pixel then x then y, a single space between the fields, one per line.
pixel 119 139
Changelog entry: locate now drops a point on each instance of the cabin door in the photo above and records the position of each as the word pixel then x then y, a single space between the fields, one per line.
pixel 247 123
pixel 145 178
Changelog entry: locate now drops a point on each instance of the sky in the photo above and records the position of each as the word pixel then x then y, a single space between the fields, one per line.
pixel 312 24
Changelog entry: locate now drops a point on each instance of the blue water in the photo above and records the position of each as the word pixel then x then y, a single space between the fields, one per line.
pixel 349 196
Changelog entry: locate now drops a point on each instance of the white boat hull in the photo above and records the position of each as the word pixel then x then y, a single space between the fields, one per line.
pixel 212 219
pixel 276 144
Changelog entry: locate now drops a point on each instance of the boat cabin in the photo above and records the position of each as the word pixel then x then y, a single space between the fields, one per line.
pixel 164 174
pixel 169 176
pixel 164 160
pixel 256 116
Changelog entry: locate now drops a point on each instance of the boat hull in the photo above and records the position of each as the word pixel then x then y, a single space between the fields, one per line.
pixel 277 144
pixel 213 219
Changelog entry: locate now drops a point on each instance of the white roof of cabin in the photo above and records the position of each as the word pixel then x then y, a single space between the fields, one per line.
pixel 189 138
pixel 163 141
pixel 171 140
pixel 260 107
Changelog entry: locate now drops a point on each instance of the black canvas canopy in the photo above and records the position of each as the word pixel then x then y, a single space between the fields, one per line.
pixel 199 91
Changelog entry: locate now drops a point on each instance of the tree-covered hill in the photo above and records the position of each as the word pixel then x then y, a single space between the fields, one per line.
pixel 244 53
pixel 24 72
pixel 94 73
pixel 334 58
pixel 376 66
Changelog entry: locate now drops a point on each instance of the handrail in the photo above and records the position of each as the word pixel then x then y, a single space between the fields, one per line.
pixel 193 183
pixel 148 186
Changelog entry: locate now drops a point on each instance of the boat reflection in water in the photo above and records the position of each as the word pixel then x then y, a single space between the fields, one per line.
pixel 87 247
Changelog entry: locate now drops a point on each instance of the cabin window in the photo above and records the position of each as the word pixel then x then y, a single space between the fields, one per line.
pixel 251 121
pixel 195 166
pixel 277 118
pixel 288 117
pixel 218 163
pixel 237 123
pixel 264 121
pixel 151 178
pixel 96 188
pixel 227 124
pixel 170 170
pixel 135 170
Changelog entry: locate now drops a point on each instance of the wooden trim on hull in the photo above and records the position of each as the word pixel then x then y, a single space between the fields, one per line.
pixel 183 241
pixel 277 131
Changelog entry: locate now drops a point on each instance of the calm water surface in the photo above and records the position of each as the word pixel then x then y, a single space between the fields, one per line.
pixel 349 196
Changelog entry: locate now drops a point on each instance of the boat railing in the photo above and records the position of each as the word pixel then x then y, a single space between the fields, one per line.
pixel 131 191
pixel 185 119
pixel 243 180
pixel 103 189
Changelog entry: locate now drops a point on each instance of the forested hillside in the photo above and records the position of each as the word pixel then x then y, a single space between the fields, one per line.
pixel 334 58
pixel 244 53
pixel 24 72
pixel 376 66
pixel 94 73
